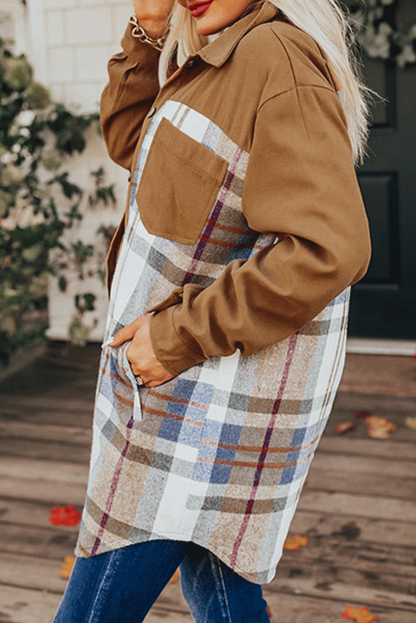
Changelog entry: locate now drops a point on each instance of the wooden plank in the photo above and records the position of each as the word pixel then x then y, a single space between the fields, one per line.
pixel 401 434
pixel 44 471
pixel 352 402
pixel 32 572
pixel 50 401
pixel 29 514
pixel 381 374
pixel 50 542
pixel 45 415
pixel 349 527
pixel 363 564
pixel 366 556
pixel 358 505
pixel 54 493
pixel 381 484
pixel 387 449
pixel 364 465
pixel 46 371
pixel 298 608
pixel 44 450
pixel 28 430
pixel 23 605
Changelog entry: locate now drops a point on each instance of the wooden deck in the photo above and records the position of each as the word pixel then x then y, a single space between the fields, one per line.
pixel 358 508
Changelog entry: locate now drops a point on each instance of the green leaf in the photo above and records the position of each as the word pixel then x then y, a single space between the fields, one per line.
pixel 85 302
pixel 62 283
pixel 69 189
pixel 82 251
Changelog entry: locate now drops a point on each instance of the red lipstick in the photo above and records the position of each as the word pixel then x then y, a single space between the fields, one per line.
pixel 198 8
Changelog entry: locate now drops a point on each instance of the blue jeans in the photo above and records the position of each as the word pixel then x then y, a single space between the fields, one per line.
pixel 122 585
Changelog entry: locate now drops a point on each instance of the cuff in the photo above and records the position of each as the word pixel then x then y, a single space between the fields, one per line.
pixel 137 50
pixel 169 348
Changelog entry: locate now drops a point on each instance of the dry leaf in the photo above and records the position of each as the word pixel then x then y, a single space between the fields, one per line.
pixel 175 577
pixel 410 422
pixel 293 543
pixel 360 615
pixel 66 566
pixel 379 427
pixel 362 415
pixel 64 516
pixel 344 427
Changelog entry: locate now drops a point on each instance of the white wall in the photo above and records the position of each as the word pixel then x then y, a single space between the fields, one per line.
pixel 13 24
pixel 69 42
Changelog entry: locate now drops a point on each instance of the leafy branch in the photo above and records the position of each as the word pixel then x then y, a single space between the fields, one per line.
pixel 39 203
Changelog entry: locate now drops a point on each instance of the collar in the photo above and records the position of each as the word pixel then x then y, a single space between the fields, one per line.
pixel 218 51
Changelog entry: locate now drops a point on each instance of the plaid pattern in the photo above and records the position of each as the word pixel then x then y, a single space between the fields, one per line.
pixel 219 454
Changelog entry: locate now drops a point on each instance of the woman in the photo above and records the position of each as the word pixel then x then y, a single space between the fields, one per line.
pixel 229 276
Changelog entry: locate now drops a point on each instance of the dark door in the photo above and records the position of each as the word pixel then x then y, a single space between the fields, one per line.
pixel 384 303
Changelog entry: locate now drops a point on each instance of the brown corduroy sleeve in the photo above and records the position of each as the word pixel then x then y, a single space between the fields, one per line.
pixel 126 99
pixel 300 185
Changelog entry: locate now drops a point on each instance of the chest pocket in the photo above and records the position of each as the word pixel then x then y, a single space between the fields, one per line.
pixel 180 182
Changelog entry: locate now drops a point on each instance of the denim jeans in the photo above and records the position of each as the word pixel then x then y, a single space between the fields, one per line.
pixel 122 585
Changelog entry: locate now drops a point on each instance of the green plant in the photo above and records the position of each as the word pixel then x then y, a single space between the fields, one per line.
pixel 39 203
pixel 381 33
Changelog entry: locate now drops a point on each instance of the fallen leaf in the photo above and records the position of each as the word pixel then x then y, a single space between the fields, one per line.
pixel 66 566
pixel 175 577
pixel 293 543
pixel 410 422
pixel 360 615
pixel 362 415
pixel 64 516
pixel 344 427
pixel 379 427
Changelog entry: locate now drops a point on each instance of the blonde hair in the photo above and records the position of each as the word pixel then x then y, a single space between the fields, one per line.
pixel 327 24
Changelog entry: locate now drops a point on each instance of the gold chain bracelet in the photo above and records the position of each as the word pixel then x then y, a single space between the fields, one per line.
pixel 140 34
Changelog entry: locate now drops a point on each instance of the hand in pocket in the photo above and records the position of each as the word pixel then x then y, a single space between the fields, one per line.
pixel 140 352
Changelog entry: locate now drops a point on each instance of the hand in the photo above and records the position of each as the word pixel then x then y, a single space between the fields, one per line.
pixel 140 352
pixel 153 15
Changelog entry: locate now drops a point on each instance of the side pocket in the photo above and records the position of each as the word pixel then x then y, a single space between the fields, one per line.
pixel 125 372
pixel 180 182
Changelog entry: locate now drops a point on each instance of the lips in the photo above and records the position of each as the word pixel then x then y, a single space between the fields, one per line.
pixel 198 8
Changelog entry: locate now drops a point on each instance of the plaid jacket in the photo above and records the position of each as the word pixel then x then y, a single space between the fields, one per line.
pixel 219 454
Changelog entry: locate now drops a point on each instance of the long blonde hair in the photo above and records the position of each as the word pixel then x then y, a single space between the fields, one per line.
pixel 327 24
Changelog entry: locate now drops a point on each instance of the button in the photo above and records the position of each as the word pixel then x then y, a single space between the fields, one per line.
pixel 190 64
pixel 152 112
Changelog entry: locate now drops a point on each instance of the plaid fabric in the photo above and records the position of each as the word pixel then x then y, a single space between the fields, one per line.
pixel 219 454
